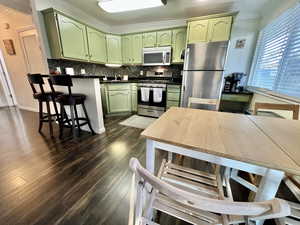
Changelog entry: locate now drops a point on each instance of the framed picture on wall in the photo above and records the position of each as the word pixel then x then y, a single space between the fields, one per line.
pixel 9 46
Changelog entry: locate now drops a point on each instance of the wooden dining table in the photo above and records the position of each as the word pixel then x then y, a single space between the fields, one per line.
pixel 269 147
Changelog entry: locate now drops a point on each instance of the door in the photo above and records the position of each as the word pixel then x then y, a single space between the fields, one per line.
pixel 119 101
pixel 205 56
pixel 127 51
pixel 32 51
pixel 149 40
pixel 164 38
pixel 198 31
pixel 137 47
pixel 97 46
pixel 179 39
pixel 114 50
pixel 201 84
pixel 220 28
pixel 73 38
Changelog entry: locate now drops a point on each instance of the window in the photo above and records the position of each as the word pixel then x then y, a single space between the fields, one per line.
pixel 276 64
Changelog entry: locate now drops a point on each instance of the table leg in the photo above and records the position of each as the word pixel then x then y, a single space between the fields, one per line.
pixel 268 187
pixel 150 155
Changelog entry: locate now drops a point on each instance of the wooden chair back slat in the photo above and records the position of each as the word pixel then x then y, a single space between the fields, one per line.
pixel 61 80
pixel 36 79
pixel 271 106
pixel 253 209
pixel 203 101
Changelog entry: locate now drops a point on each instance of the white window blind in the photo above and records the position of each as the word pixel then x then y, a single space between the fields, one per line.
pixel 276 64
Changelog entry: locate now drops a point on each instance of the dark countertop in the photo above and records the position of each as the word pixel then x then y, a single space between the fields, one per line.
pixel 79 76
pixel 238 93
pixel 164 80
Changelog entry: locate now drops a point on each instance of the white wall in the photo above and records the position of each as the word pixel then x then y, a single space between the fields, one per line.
pixel 15 63
pixel 273 9
pixel 240 59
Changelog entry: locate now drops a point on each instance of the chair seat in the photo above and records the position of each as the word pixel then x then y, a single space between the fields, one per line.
pixel 67 99
pixel 294 218
pixel 46 96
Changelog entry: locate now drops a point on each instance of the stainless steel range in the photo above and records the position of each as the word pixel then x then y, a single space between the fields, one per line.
pixel 151 99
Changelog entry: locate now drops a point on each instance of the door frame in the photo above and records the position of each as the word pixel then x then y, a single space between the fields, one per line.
pixel 6 82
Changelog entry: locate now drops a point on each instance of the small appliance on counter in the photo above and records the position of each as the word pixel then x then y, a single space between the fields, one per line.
pixel 70 71
pixel 234 83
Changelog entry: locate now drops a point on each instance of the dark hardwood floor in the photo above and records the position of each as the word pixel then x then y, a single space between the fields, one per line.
pixel 83 181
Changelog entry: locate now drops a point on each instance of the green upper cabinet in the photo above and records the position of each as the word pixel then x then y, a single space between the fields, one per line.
pixel 149 40
pixel 97 45
pixel 137 47
pixel 219 29
pixel 164 38
pixel 198 31
pixel 114 51
pixel 178 44
pixel 127 49
pixel 73 38
pixel 209 30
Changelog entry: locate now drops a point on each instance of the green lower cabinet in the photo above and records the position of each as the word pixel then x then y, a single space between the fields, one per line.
pixel 119 101
pixel 104 98
pixel 134 97
pixel 134 102
pixel 173 95
pixel 172 104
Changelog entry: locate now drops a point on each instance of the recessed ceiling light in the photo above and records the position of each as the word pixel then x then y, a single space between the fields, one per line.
pixel 114 6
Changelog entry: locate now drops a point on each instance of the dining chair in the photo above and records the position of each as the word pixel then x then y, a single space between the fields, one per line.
pixel 199 101
pixel 271 106
pixel 254 179
pixel 203 101
pixel 71 100
pixel 193 196
pixel 292 219
pixel 37 83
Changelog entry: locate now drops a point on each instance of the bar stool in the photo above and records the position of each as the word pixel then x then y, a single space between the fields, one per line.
pixel 72 100
pixel 42 96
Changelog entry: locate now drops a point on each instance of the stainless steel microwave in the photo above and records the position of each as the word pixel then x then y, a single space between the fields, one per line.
pixel 157 56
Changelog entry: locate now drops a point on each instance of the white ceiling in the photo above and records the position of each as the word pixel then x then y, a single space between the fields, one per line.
pixel 175 9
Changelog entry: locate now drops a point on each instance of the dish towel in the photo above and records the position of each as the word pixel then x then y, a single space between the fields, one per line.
pixel 145 94
pixel 157 95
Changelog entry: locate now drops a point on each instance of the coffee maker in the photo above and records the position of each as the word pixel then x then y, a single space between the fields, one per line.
pixel 233 83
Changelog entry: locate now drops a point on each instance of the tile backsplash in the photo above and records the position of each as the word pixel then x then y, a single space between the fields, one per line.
pixel 102 70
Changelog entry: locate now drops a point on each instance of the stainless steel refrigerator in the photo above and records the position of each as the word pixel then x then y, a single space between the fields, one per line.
pixel 203 71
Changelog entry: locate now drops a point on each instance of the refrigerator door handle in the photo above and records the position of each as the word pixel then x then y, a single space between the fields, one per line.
pixel 186 59
pixel 182 96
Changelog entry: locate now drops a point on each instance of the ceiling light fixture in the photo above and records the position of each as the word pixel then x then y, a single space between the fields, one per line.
pixel 115 6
